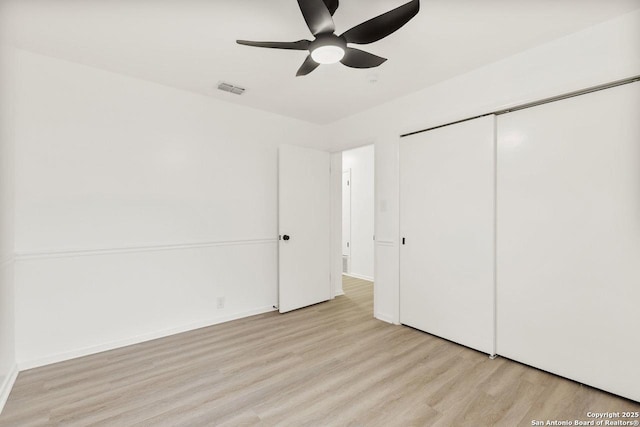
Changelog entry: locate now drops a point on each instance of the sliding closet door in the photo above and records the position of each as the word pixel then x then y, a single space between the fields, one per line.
pixel 447 226
pixel 568 257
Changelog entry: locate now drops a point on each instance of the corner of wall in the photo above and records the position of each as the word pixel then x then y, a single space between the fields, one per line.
pixel 8 367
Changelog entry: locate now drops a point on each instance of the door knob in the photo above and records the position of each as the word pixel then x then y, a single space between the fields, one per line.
pixel 286 237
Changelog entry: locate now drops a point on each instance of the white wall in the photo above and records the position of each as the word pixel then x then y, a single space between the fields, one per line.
pixel 361 163
pixel 137 207
pixel 8 368
pixel 603 53
pixel 386 291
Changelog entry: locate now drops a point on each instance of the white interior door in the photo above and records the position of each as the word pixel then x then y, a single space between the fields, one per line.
pixel 304 202
pixel 447 196
pixel 346 213
pixel 569 238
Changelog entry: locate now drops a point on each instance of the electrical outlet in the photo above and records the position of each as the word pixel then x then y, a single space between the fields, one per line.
pixel 220 302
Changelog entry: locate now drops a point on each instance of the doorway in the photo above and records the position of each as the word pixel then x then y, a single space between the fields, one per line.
pixel 358 227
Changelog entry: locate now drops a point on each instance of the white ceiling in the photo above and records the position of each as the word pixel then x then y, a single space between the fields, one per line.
pixel 190 44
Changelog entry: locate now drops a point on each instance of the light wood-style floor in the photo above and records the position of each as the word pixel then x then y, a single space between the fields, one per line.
pixel 331 364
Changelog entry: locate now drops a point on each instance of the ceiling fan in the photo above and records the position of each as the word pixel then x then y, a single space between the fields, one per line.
pixel 328 48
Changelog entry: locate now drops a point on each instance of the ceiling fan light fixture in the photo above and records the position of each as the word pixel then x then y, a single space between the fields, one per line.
pixel 328 54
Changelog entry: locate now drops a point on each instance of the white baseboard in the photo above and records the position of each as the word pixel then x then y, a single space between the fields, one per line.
pixel 74 354
pixel 358 276
pixel 7 385
pixel 339 292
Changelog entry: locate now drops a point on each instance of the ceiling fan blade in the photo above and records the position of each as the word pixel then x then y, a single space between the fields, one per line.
pixel 307 66
pixel 299 45
pixel 332 5
pixel 317 15
pixel 356 58
pixel 383 25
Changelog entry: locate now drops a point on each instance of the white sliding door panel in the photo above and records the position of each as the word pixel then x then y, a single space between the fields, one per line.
pixel 447 218
pixel 304 201
pixel 568 238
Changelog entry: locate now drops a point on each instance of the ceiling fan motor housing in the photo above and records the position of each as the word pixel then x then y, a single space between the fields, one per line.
pixel 328 40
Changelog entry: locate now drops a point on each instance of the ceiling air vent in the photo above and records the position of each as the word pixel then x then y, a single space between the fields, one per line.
pixel 227 87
